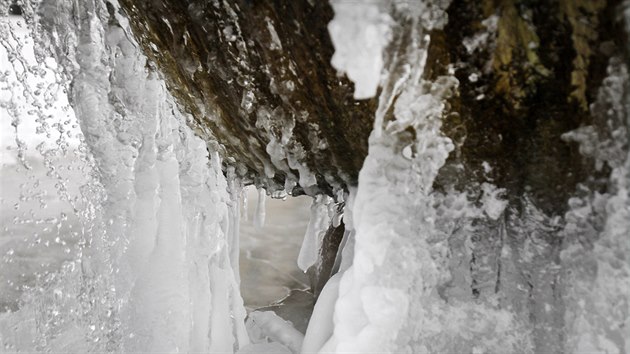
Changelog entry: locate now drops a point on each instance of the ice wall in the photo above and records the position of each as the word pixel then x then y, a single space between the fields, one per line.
pixel 155 271
pixel 419 252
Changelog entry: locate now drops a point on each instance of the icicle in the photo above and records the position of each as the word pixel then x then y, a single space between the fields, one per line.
pixel 159 244
pixel 235 189
pixel 281 194
pixel 244 205
pixel 321 325
pixel 359 32
pixel 259 216
pixel 315 231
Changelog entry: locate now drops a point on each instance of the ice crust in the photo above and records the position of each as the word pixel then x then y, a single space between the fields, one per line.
pixel 266 325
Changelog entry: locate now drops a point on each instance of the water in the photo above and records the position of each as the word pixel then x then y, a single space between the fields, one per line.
pixel 269 254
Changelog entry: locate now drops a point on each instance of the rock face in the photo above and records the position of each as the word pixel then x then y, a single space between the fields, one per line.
pixel 256 78
pixel 528 73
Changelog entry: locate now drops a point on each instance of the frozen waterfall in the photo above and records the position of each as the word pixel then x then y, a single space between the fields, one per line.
pixel 151 258
pixel 154 267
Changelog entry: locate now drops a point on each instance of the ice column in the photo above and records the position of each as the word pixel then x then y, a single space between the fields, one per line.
pixel 158 271
pixel 389 299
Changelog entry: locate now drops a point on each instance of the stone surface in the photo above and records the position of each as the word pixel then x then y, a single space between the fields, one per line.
pixel 255 72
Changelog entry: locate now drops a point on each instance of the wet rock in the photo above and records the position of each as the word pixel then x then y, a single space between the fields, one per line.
pixel 257 80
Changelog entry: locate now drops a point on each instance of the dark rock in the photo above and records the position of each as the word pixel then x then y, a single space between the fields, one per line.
pixel 254 71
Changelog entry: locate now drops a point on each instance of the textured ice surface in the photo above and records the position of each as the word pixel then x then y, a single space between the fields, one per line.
pixel 447 272
pixel 154 269
pixel 360 31
pixel 154 266
pixel 595 264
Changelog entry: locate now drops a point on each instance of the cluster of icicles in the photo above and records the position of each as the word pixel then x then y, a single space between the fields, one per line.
pixel 155 264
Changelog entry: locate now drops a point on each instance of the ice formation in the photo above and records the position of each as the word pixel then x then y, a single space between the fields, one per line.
pixel 415 248
pixel 155 270
pixel 360 32
pixel 319 222
pixel 157 260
